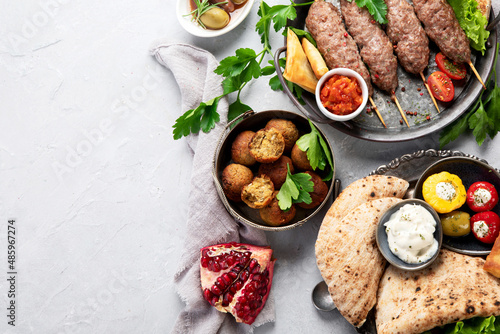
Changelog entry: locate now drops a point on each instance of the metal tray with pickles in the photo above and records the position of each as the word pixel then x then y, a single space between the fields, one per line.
pixel 467 168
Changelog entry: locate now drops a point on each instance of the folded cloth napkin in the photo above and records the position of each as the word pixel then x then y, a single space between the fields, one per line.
pixel 208 221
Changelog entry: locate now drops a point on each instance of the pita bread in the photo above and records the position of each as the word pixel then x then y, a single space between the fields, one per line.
pixel 315 58
pixel 364 190
pixel 485 7
pixel 350 262
pixel 455 287
pixel 297 68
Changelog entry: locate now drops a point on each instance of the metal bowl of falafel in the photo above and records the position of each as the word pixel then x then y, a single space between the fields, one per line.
pixel 273 170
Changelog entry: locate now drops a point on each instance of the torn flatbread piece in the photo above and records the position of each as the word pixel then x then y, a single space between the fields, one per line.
pixel 361 191
pixel 455 287
pixel 297 68
pixel 315 58
pixel 350 262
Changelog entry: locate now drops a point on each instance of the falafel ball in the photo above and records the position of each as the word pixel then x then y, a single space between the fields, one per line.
pixel 277 170
pixel 287 129
pixel 299 159
pixel 272 215
pixel 319 192
pixel 258 193
pixel 267 145
pixel 240 153
pixel 234 178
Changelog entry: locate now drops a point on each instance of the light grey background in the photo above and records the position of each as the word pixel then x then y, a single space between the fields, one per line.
pixel 98 186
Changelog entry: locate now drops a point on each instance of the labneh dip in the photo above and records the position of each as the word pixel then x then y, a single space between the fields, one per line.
pixel 410 234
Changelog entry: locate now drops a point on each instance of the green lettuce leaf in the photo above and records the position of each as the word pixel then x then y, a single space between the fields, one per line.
pixel 472 21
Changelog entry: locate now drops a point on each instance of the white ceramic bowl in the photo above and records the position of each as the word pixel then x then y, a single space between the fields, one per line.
pixel 348 73
pixel 183 8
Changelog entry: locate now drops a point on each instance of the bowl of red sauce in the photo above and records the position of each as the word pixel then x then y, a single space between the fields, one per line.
pixel 341 94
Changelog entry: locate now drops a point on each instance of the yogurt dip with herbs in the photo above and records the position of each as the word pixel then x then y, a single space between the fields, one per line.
pixel 410 234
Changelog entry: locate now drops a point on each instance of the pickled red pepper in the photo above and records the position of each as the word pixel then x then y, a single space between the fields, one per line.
pixel 341 95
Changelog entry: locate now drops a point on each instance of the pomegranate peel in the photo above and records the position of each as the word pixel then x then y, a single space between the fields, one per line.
pixel 236 278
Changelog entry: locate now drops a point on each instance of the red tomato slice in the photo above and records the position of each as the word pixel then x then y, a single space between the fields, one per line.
pixel 456 71
pixel 441 86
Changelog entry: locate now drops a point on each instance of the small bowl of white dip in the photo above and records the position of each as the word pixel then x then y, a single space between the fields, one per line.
pixel 409 235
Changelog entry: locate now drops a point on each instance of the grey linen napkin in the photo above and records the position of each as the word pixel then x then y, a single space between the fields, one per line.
pixel 208 221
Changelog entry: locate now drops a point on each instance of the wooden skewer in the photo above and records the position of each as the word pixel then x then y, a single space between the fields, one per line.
pixel 477 74
pixel 395 99
pixel 430 93
pixel 376 110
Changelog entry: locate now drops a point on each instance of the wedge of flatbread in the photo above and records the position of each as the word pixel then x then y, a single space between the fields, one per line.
pixel 455 287
pixel 297 67
pixel 315 58
pixel 361 191
pixel 350 262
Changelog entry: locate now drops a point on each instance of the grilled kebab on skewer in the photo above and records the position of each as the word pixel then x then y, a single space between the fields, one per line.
pixel 442 27
pixel 411 43
pixel 335 44
pixel 375 48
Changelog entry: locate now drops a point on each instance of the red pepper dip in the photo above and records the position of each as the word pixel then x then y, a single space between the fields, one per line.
pixel 341 95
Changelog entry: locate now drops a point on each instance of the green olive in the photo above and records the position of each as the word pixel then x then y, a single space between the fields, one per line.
pixel 456 223
pixel 215 18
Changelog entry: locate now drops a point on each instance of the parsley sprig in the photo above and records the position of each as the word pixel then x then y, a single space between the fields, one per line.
pixel 483 118
pixel 317 151
pixel 238 71
pixel 377 8
pixel 296 189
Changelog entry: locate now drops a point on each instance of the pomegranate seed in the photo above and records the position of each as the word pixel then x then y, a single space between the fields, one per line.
pixel 221 283
pixel 233 289
pixel 256 268
pixel 244 275
pixel 204 253
pixel 226 279
pixel 216 290
pixel 224 265
pixel 252 264
pixel 208 295
pixel 216 267
pixel 242 300
pixel 214 301
pixel 204 262
pixel 230 260
pixel 238 285
pixel 250 288
pixel 210 265
pixel 246 308
pixel 256 278
pixel 232 275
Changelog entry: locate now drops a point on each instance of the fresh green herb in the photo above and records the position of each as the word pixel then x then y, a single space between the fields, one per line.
pixel 483 118
pixel 302 34
pixel 201 8
pixel 296 189
pixel 275 83
pixel 317 151
pixel 377 8
pixel 238 70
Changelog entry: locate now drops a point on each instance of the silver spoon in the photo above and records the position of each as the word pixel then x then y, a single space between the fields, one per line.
pixel 321 298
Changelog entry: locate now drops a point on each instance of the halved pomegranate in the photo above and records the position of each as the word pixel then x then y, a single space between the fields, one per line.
pixel 236 278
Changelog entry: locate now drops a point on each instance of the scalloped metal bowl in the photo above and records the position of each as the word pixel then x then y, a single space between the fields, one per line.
pixel 255 121
pixel 469 170
pixel 383 245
